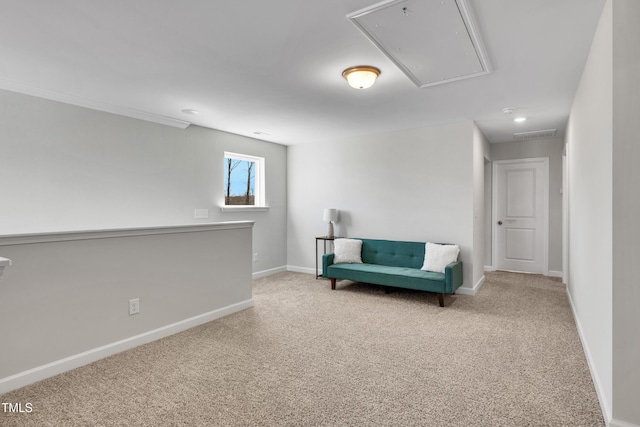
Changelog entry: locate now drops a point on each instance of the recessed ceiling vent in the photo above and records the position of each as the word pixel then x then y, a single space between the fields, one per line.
pixel 525 136
pixel 431 41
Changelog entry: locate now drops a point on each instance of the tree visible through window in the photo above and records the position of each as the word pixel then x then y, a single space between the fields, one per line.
pixel 242 180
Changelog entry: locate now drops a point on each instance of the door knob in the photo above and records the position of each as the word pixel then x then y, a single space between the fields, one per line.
pixel 499 222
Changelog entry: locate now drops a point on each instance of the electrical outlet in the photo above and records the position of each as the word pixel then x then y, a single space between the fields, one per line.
pixel 255 257
pixel 134 306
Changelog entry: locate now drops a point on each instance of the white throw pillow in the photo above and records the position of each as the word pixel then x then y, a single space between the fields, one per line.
pixel 347 251
pixel 437 257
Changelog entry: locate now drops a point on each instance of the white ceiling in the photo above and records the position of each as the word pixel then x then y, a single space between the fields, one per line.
pixel 275 66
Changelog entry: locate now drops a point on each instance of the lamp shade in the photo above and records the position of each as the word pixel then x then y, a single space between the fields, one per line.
pixel 330 215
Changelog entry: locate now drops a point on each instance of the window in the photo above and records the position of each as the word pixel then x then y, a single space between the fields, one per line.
pixel 243 180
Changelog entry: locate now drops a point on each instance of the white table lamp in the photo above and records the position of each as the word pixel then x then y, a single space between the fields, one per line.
pixel 330 216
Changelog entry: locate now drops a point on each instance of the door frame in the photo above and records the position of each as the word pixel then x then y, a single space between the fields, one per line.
pixel 545 208
pixel 565 215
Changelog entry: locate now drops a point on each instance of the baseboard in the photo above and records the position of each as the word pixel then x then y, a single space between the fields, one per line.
pixel 269 272
pixel 604 405
pixel 31 376
pixel 305 270
pixel 471 291
pixel 550 273
pixel 618 423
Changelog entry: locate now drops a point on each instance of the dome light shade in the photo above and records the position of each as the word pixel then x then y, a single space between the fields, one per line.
pixel 361 77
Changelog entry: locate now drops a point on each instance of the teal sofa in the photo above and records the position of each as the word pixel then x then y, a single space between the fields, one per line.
pixel 396 264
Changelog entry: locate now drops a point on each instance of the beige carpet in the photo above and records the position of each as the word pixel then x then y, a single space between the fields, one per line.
pixel 309 356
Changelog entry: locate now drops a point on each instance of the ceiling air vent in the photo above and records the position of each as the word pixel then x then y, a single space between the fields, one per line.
pixel 432 42
pixel 525 136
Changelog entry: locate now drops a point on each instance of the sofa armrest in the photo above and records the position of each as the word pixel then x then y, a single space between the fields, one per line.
pixel 453 276
pixel 327 260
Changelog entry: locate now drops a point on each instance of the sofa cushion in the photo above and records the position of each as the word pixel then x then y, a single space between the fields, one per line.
pixel 402 277
pixel 347 251
pixel 437 257
pixel 394 253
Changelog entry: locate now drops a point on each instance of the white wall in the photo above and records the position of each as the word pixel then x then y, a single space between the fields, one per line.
pixel 551 148
pixel 626 211
pixel 69 168
pixel 589 147
pixel 488 212
pixel 480 153
pixel 66 295
pixel 406 185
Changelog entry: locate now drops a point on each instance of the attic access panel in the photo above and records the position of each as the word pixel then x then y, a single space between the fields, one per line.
pixel 431 41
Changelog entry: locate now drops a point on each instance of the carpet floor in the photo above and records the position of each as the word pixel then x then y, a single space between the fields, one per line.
pixel 356 356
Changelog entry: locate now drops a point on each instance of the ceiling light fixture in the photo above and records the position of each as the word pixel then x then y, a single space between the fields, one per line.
pixel 190 112
pixel 361 77
pixel 519 119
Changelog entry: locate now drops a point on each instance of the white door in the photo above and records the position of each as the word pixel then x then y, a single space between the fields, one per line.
pixel 520 215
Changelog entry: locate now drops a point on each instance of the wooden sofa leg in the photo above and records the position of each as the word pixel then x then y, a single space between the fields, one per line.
pixel 441 299
pixel 333 283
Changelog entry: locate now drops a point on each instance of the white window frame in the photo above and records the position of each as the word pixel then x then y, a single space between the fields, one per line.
pixel 259 185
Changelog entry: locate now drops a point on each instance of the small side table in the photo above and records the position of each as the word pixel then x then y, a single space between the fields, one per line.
pixel 324 239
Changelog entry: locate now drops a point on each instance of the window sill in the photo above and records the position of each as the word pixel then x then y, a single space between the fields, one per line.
pixel 244 208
